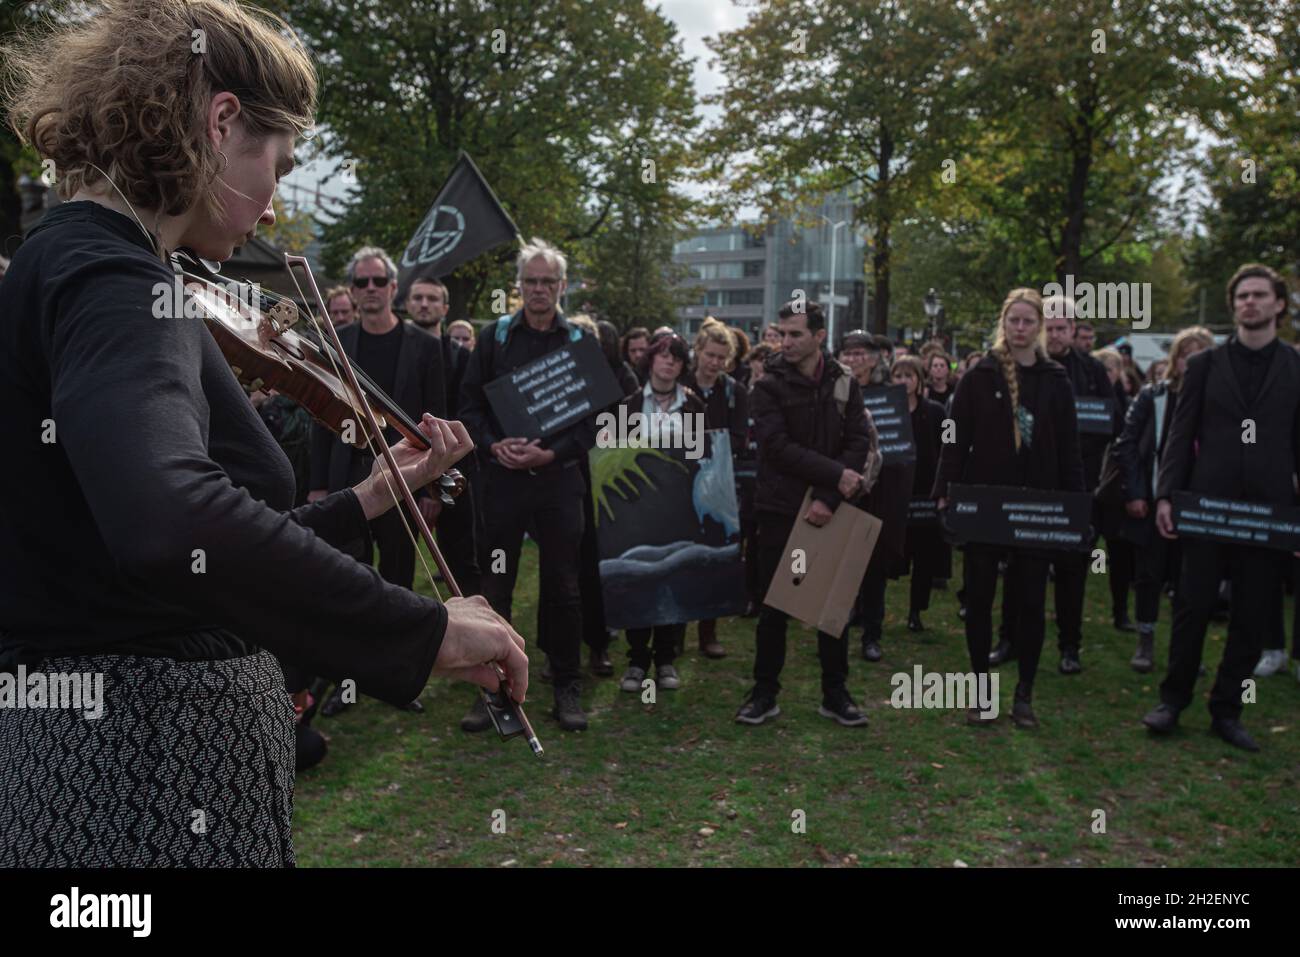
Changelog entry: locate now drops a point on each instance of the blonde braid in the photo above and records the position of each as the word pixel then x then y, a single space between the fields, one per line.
pixel 1002 352
pixel 1008 364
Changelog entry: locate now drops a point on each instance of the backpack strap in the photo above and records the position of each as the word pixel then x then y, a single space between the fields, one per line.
pixel 503 329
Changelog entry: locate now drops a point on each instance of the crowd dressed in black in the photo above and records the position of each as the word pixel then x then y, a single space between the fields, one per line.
pixel 795 413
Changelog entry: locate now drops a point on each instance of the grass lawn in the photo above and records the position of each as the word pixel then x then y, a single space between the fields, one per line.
pixel 679 783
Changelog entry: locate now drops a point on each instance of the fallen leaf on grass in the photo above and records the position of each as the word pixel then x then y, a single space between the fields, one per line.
pixel 620 825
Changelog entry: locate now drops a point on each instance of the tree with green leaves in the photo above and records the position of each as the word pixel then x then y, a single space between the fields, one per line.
pixel 829 95
pixel 576 113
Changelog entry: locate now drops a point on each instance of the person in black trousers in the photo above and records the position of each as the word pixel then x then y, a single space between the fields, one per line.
pixel 1016 426
pixel 1087 377
pixel 812 432
pixel 1235 434
pixel 665 401
pixel 407 364
pixel 1137 453
pixel 726 406
pixel 536 481
pixel 922 550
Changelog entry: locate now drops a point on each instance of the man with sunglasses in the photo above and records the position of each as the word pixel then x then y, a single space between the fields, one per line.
pixel 406 364
pixel 532 485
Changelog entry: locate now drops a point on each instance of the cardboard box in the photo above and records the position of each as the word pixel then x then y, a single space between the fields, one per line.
pixel 819 586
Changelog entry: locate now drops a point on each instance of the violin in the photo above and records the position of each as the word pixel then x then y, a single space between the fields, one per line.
pixel 256 335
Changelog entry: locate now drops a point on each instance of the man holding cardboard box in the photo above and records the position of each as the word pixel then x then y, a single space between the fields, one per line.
pixel 813 433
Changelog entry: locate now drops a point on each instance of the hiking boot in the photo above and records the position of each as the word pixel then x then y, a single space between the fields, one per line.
pixel 1143 659
pixel 568 708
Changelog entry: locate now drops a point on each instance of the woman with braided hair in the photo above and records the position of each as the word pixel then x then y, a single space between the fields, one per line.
pixel 1015 426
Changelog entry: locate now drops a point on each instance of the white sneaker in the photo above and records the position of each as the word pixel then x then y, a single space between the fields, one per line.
pixel 632 679
pixel 1271 662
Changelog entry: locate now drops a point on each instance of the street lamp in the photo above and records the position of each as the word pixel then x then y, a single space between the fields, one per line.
pixel 830 322
pixel 933 308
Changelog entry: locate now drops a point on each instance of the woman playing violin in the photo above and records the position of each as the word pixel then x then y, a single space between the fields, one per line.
pixel 146 532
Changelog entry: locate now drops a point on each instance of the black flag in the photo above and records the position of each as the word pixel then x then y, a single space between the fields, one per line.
pixel 465 220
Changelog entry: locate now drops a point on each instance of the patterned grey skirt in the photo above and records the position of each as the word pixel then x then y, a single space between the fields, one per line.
pixel 190 764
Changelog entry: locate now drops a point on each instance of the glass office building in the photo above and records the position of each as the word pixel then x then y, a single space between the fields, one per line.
pixel 743 277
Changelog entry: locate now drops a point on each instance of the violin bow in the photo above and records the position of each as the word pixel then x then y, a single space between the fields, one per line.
pixel 376 437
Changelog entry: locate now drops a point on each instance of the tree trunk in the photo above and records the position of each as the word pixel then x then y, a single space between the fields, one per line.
pixel 880 256
pixel 1069 257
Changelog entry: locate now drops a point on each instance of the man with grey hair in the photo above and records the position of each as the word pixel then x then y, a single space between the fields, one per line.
pixel 407 365
pixel 532 485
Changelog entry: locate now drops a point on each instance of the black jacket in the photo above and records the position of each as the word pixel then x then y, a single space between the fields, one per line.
pixel 726 406
pixel 927 431
pixel 1135 450
pixel 455 360
pixel 492 359
pixel 1206 451
pixel 420 387
pixel 1088 378
pixel 984 450
pixel 803 437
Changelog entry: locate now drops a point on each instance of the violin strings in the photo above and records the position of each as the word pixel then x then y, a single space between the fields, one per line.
pixel 370 442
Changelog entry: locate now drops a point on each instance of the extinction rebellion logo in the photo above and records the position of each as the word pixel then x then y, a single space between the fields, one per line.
pixel 440 233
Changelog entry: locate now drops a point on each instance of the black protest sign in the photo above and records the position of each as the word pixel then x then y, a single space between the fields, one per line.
pixel 888 407
pixel 1198 515
pixel 1019 517
pixel 923 512
pixel 553 392
pixel 1096 414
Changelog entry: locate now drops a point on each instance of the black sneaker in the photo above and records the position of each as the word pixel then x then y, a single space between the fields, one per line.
pixel 568 708
pixel 1070 664
pixel 840 707
pixel 1005 651
pixel 476 719
pixel 758 707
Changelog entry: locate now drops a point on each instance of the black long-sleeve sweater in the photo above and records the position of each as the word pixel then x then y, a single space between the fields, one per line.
pixel 145 506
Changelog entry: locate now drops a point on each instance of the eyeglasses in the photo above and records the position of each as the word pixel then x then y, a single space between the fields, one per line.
pixel 548 282
pixel 361 282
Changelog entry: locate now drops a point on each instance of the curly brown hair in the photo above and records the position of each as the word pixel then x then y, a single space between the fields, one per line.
pixel 127 88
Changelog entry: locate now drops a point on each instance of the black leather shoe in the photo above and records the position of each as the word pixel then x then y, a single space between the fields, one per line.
pixel 914 622
pixel 1230 730
pixel 600 664
pixel 871 650
pixel 1022 714
pixel 335 703
pixel 1070 664
pixel 1003 652
pixel 1162 719
pixel 476 719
